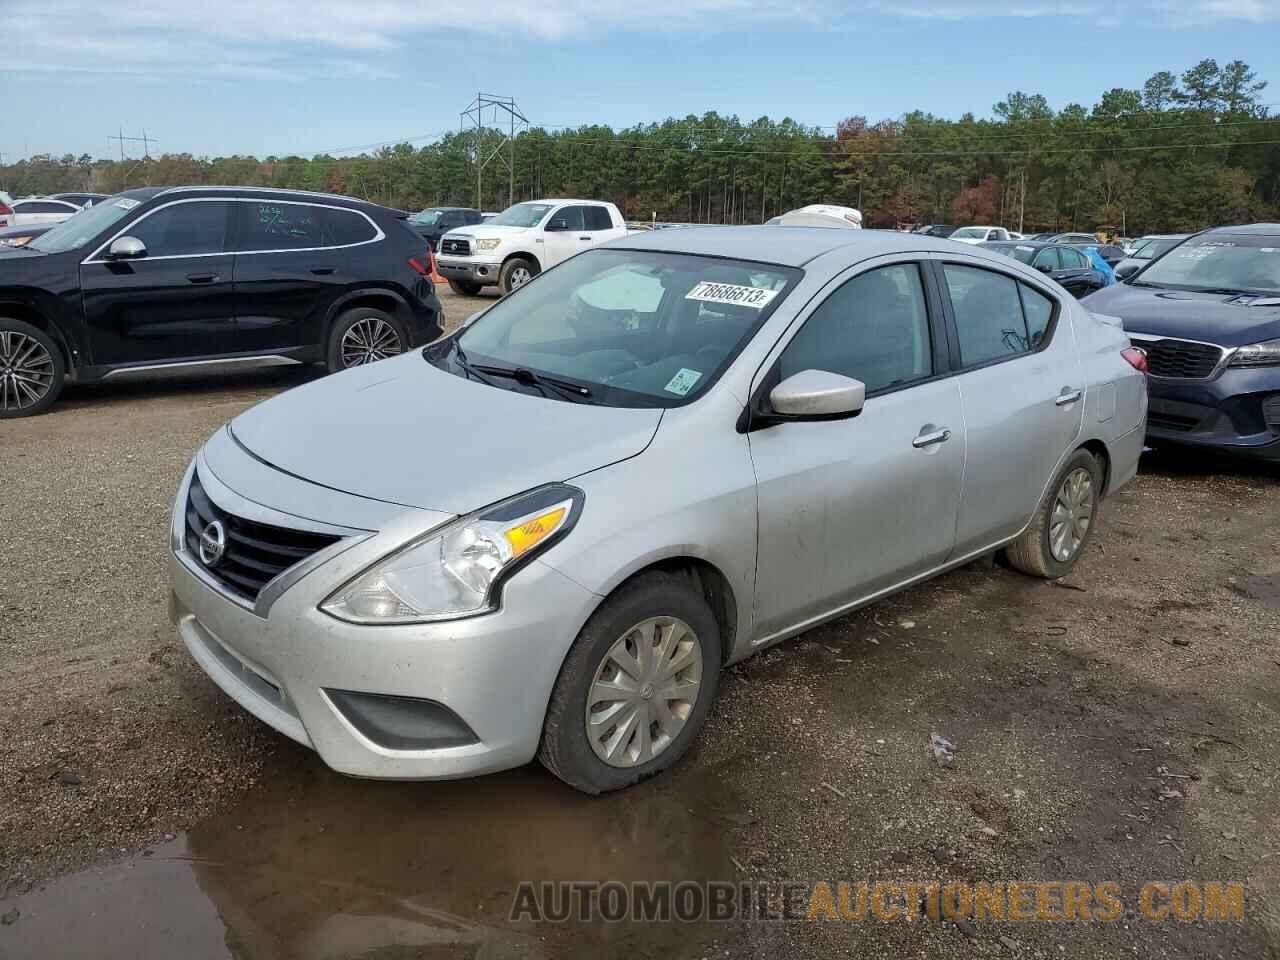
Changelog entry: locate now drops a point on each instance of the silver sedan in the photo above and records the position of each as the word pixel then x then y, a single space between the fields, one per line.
pixel 548 533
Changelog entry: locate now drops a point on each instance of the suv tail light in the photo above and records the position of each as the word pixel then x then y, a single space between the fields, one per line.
pixel 1137 358
pixel 426 269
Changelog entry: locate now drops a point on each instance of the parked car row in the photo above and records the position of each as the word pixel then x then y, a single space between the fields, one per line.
pixel 32 211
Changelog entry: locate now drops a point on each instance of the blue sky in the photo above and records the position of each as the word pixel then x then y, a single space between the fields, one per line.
pixel 302 76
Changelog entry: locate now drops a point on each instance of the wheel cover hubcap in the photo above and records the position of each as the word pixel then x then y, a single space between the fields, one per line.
pixel 644 691
pixel 26 371
pixel 1072 514
pixel 369 339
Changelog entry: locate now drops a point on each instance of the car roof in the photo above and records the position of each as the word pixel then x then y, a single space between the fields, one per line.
pixel 564 200
pixel 785 246
pixel 279 194
pixel 1248 229
pixel 1024 243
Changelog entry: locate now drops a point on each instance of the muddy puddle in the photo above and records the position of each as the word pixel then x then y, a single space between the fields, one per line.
pixel 320 866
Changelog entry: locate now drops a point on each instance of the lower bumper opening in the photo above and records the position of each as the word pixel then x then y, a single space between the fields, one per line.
pixel 402 723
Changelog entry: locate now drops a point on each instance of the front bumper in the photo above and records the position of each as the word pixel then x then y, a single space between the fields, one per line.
pixel 1237 411
pixel 484 681
pixel 469 270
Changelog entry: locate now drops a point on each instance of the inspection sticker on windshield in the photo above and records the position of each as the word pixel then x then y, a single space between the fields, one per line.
pixel 683 381
pixel 124 203
pixel 709 292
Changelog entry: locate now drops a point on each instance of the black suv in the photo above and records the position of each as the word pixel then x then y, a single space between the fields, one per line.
pixel 185 276
pixel 434 222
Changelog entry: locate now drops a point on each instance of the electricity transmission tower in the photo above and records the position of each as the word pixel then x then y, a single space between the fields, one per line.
pixel 504 113
pixel 144 140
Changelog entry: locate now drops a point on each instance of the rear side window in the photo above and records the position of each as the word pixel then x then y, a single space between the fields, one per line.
pixel 598 218
pixel 988 314
pixel 345 227
pixel 1074 260
pixel 184 229
pixel 875 328
pixel 1038 310
pixel 272 225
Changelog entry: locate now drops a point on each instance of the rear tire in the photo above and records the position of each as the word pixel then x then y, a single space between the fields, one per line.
pixel 515 273
pixel 657 644
pixel 363 335
pixel 32 371
pixel 1063 523
pixel 464 288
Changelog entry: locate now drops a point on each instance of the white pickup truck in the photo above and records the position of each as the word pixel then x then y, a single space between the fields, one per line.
pixel 522 241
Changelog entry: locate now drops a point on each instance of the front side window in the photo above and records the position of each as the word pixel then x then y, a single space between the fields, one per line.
pixel 1248 264
pixel 988 314
pixel 874 328
pixel 522 215
pixel 184 229
pixel 1050 258
pixel 567 218
pixel 637 328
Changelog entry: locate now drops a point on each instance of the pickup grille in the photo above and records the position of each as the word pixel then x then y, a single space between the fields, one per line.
pixel 452 245
pixel 1183 359
pixel 255 552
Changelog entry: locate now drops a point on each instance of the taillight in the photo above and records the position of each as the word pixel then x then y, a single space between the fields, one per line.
pixel 1137 358
pixel 5 209
pixel 418 265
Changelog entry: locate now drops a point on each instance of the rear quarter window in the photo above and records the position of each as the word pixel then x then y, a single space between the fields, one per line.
pixel 346 227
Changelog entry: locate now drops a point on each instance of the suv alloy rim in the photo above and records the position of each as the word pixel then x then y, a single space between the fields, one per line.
pixel 1072 514
pixel 369 339
pixel 26 371
pixel 644 691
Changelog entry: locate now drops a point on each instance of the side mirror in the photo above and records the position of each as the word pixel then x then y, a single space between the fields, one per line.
pixel 558 225
pixel 1044 268
pixel 818 395
pixel 126 248
pixel 1127 271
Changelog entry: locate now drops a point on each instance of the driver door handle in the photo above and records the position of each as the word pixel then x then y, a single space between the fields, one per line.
pixel 929 439
pixel 202 277
pixel 1066 398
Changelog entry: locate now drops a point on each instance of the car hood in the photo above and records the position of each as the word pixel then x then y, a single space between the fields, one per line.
pixel 1226 319
pixel 402 431
pixel 479 230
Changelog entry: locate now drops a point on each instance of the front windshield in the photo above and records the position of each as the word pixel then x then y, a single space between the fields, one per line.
pixel 428 217
pixel 971 232
pixel 521 215
pixel 1220 261
pixel 80 228
pixel 637 328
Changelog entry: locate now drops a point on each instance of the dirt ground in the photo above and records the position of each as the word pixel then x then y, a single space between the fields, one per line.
pixel 1123 725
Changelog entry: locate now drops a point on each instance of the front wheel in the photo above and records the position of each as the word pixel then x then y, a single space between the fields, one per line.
pixel 31 369
pixel 636 686
pixel 1050 546
pixel 515 273
pixel 362 336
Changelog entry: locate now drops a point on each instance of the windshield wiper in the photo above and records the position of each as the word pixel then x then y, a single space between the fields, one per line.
pixel 565 388
pixel 460 356
pixel 1229 291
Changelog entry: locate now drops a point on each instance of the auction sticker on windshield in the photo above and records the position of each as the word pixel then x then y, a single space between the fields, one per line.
pixel 683 381
pixel 709 292
pixel 125 203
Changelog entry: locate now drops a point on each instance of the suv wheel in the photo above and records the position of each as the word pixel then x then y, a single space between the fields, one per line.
pixel 464 287
pixel 31 369
pixel 1053 542
pixel 516 272
pixel 636 686
pixel 362 336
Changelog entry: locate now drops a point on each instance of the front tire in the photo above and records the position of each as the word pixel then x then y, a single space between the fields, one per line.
pixel 363 335
pixel 32 371
pixel 636 686
pixel 515 273
pixel 1065 519
pixel 464 288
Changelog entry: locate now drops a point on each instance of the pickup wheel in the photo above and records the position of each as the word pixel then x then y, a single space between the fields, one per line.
pixel 516 272
pixel 32 371
pixel 1050 546
pixel 464 288
pixel 363 335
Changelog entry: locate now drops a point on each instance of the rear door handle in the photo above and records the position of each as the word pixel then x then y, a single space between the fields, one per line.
pixel 322 271
pixel 1067 398
pixel 202 277
pixel 929 439
pixel 584 238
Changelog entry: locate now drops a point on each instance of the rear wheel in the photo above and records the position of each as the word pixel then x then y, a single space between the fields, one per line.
pixel 1053 542
pixel 32 371
pixel 464 287
pixel 636 686
pixel 515 273
pixel 362 336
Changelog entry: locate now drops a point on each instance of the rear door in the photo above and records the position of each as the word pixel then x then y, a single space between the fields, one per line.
pixel 1022 394
pixel 291 264
pixel 175 303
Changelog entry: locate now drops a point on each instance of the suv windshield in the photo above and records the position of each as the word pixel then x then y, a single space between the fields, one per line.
pixel 1219 262
pixel 521 215
pixel 1020 252
pixel 636 328
pixel 80 228
pixel 428 217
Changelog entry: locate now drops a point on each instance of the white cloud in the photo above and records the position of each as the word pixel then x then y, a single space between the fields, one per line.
pixel 295 39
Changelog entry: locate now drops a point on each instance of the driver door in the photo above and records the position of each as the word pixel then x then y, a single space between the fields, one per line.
pixel 564 235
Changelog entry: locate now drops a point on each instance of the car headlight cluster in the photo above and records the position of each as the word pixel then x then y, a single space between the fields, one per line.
pixel 1262 354
pixel 488 243
pixel 457 571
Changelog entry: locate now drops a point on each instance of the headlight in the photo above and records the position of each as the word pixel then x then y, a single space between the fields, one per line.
pixel 458 570
pixel 491 243
pixel 1257 355
pixel 16 241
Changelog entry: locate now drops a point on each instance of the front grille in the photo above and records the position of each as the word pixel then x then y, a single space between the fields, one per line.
pixel 1170 421
pixel 255 552
pixel 1271 411
pixel 1181 358
pixel 452 245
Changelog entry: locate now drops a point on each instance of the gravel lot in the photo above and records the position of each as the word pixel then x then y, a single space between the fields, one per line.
pixel 1124 725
